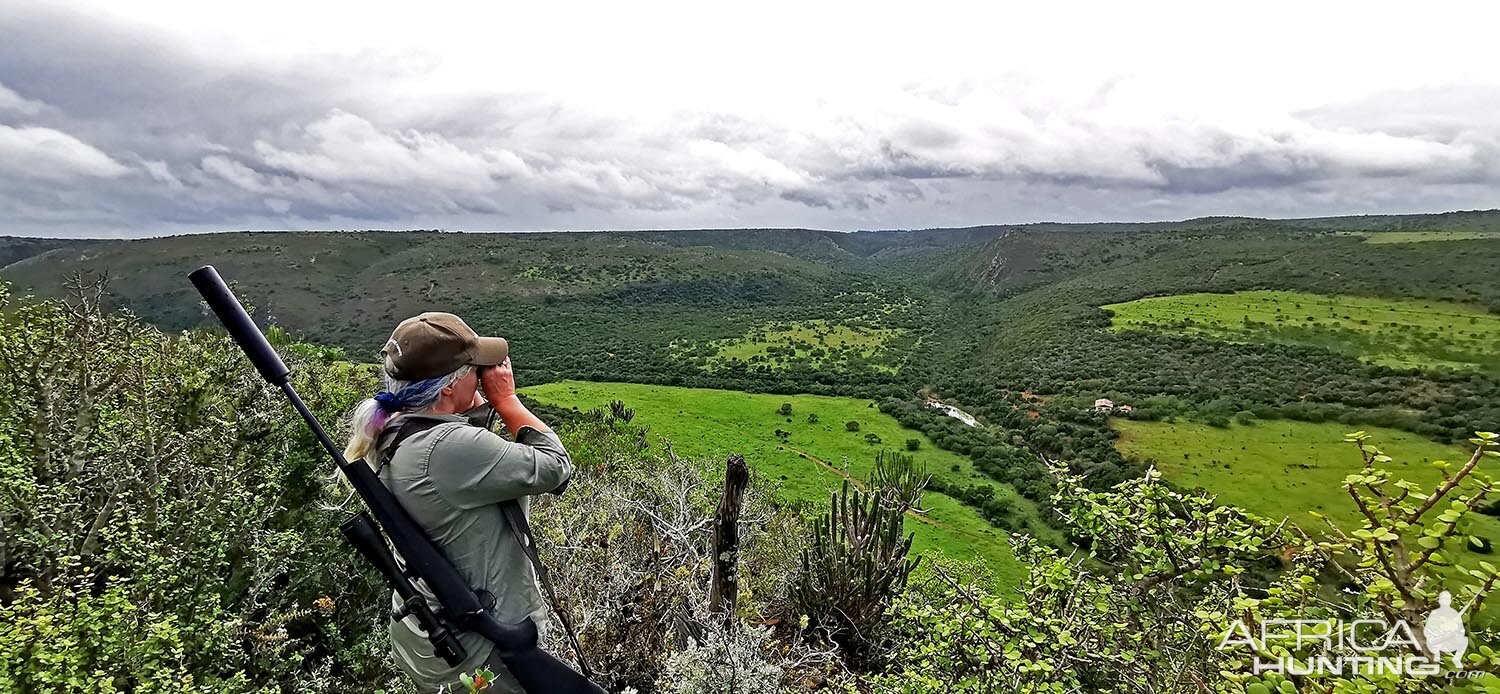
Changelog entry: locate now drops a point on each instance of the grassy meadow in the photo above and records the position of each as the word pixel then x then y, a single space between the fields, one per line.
pixel 1287 469
pixel 819 343
pixel 1425 236
pixel 702 421
pixel 1399 333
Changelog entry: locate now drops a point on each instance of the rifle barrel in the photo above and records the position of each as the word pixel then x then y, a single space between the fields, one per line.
pixel 239 325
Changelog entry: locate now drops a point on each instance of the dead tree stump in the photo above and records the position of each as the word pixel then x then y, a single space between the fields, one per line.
pixel 724 581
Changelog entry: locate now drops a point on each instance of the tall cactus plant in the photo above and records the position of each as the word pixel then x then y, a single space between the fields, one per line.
pixel 899 480
pixel 855 564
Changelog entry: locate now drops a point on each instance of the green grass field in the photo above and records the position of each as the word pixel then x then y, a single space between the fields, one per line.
pixel 1424 236
pixel 1286 469
pixel 1277 468
pixel 820 343
pixel 1404 333
pixel 716 423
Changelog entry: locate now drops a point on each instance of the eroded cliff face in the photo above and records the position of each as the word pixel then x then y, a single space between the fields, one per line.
pixel 1022 257
pixel 994 262
pixel 17 249
pixel 1018 258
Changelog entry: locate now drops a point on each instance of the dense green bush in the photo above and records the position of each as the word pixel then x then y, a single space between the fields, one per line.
pixel 161 507
pixel 1167 574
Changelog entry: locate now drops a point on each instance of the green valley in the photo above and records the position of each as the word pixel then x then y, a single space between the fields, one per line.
pixel 620 348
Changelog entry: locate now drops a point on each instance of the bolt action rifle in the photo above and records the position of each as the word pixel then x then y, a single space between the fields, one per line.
pixel 461 607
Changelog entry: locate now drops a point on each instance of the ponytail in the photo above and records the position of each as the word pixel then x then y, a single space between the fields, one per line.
pixel 370 416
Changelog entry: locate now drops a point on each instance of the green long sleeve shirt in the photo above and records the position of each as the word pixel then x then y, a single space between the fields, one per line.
pixel 451 478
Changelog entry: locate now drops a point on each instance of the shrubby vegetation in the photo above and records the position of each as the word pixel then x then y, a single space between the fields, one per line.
pixel 162 516
pixel 852 345
pixel 857 559
pixel 1169 574
pixel 630 543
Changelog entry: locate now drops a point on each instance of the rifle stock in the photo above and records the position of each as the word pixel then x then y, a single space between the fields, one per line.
pixel 461 609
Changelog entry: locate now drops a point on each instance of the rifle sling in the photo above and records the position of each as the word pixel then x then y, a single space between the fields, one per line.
pixel 519 527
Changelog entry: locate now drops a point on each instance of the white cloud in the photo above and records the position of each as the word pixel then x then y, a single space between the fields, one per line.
pixel 747 163
pixel 835 158
pixel 45 154
pixel 346 148
pixel 235 172
pixel 11 102
pixel 161 172
pixel 289 188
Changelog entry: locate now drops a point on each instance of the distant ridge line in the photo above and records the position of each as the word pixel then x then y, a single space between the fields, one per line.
pixel 1489 218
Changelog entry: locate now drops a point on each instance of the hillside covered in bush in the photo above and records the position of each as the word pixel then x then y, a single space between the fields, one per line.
pixel 170 528
pixel 169 524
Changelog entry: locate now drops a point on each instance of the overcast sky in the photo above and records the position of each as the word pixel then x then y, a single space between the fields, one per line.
pixel 169 118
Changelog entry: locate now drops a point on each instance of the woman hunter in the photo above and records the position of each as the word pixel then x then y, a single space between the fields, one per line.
pixel 452 476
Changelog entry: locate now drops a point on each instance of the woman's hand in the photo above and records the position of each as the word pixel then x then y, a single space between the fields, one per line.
pixel 498 382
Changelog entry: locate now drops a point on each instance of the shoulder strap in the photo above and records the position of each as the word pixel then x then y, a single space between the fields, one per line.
pixel 519 527
pixel 408 428
pixel 412 426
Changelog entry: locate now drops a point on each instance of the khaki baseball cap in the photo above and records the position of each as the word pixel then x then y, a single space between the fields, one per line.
pixel 435 344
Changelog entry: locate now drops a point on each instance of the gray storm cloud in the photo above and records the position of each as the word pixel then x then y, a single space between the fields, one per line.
pixel 106 132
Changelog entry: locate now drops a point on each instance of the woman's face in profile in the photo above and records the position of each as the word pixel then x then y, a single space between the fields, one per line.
pixel 466 389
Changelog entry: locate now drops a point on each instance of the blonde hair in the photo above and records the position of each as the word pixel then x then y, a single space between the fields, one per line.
pixel 368 419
